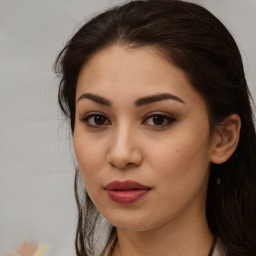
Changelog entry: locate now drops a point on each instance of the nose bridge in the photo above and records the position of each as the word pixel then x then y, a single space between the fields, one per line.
pixel 124 148
pixel 123 133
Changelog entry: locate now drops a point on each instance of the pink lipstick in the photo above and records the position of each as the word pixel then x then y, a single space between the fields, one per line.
pixel 126 192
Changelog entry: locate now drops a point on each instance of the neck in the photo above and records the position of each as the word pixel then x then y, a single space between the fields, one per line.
pixel 179 238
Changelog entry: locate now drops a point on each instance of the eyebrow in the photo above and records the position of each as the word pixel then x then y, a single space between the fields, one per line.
pixel 95 98
pixel 155 98
pixel 140 102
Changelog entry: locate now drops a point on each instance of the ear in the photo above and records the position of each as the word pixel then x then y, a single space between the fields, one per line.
pixel 226 139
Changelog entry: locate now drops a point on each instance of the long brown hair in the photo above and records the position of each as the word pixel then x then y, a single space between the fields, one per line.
pixel 193 39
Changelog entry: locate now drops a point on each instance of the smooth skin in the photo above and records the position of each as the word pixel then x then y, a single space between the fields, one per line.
pixel 163 142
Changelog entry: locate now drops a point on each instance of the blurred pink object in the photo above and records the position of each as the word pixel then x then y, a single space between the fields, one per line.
pixel 25 249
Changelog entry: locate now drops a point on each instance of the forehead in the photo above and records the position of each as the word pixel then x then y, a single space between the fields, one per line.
pixel 118 71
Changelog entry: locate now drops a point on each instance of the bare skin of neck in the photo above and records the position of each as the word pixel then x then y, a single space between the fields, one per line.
pixel 188 235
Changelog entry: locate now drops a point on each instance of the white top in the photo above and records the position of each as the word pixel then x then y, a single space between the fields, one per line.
pixel 219 249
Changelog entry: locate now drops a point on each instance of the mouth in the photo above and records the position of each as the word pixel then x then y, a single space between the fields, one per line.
pixel 125 185
pixel 126 192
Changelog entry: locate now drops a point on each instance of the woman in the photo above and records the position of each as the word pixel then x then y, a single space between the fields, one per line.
pixel 163 132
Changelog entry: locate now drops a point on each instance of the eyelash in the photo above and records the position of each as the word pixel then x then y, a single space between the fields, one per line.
pixel 86 118
pixel 167 118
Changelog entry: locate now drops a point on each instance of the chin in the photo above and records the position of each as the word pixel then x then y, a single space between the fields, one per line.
pixel 132 223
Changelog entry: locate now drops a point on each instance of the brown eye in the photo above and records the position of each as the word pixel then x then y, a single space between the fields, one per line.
pixel 158 120
pixel 99 120
pixel 95 120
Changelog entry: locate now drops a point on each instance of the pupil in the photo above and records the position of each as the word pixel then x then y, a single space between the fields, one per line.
pixel 99 120
pixel 158 120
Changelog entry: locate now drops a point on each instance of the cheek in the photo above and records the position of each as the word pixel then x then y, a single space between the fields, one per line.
pixel 176 152
pixel 180 177
pixel 90 156
pixel 181 162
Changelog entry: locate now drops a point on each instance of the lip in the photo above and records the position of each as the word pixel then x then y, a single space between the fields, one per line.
pixel 126 192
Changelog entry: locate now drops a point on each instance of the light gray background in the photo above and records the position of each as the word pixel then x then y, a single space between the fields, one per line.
pixel 36 177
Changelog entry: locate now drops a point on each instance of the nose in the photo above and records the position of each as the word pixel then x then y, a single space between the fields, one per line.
pixel 124 151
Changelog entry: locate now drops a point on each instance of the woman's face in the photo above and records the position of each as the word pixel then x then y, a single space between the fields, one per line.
pixel 139 119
